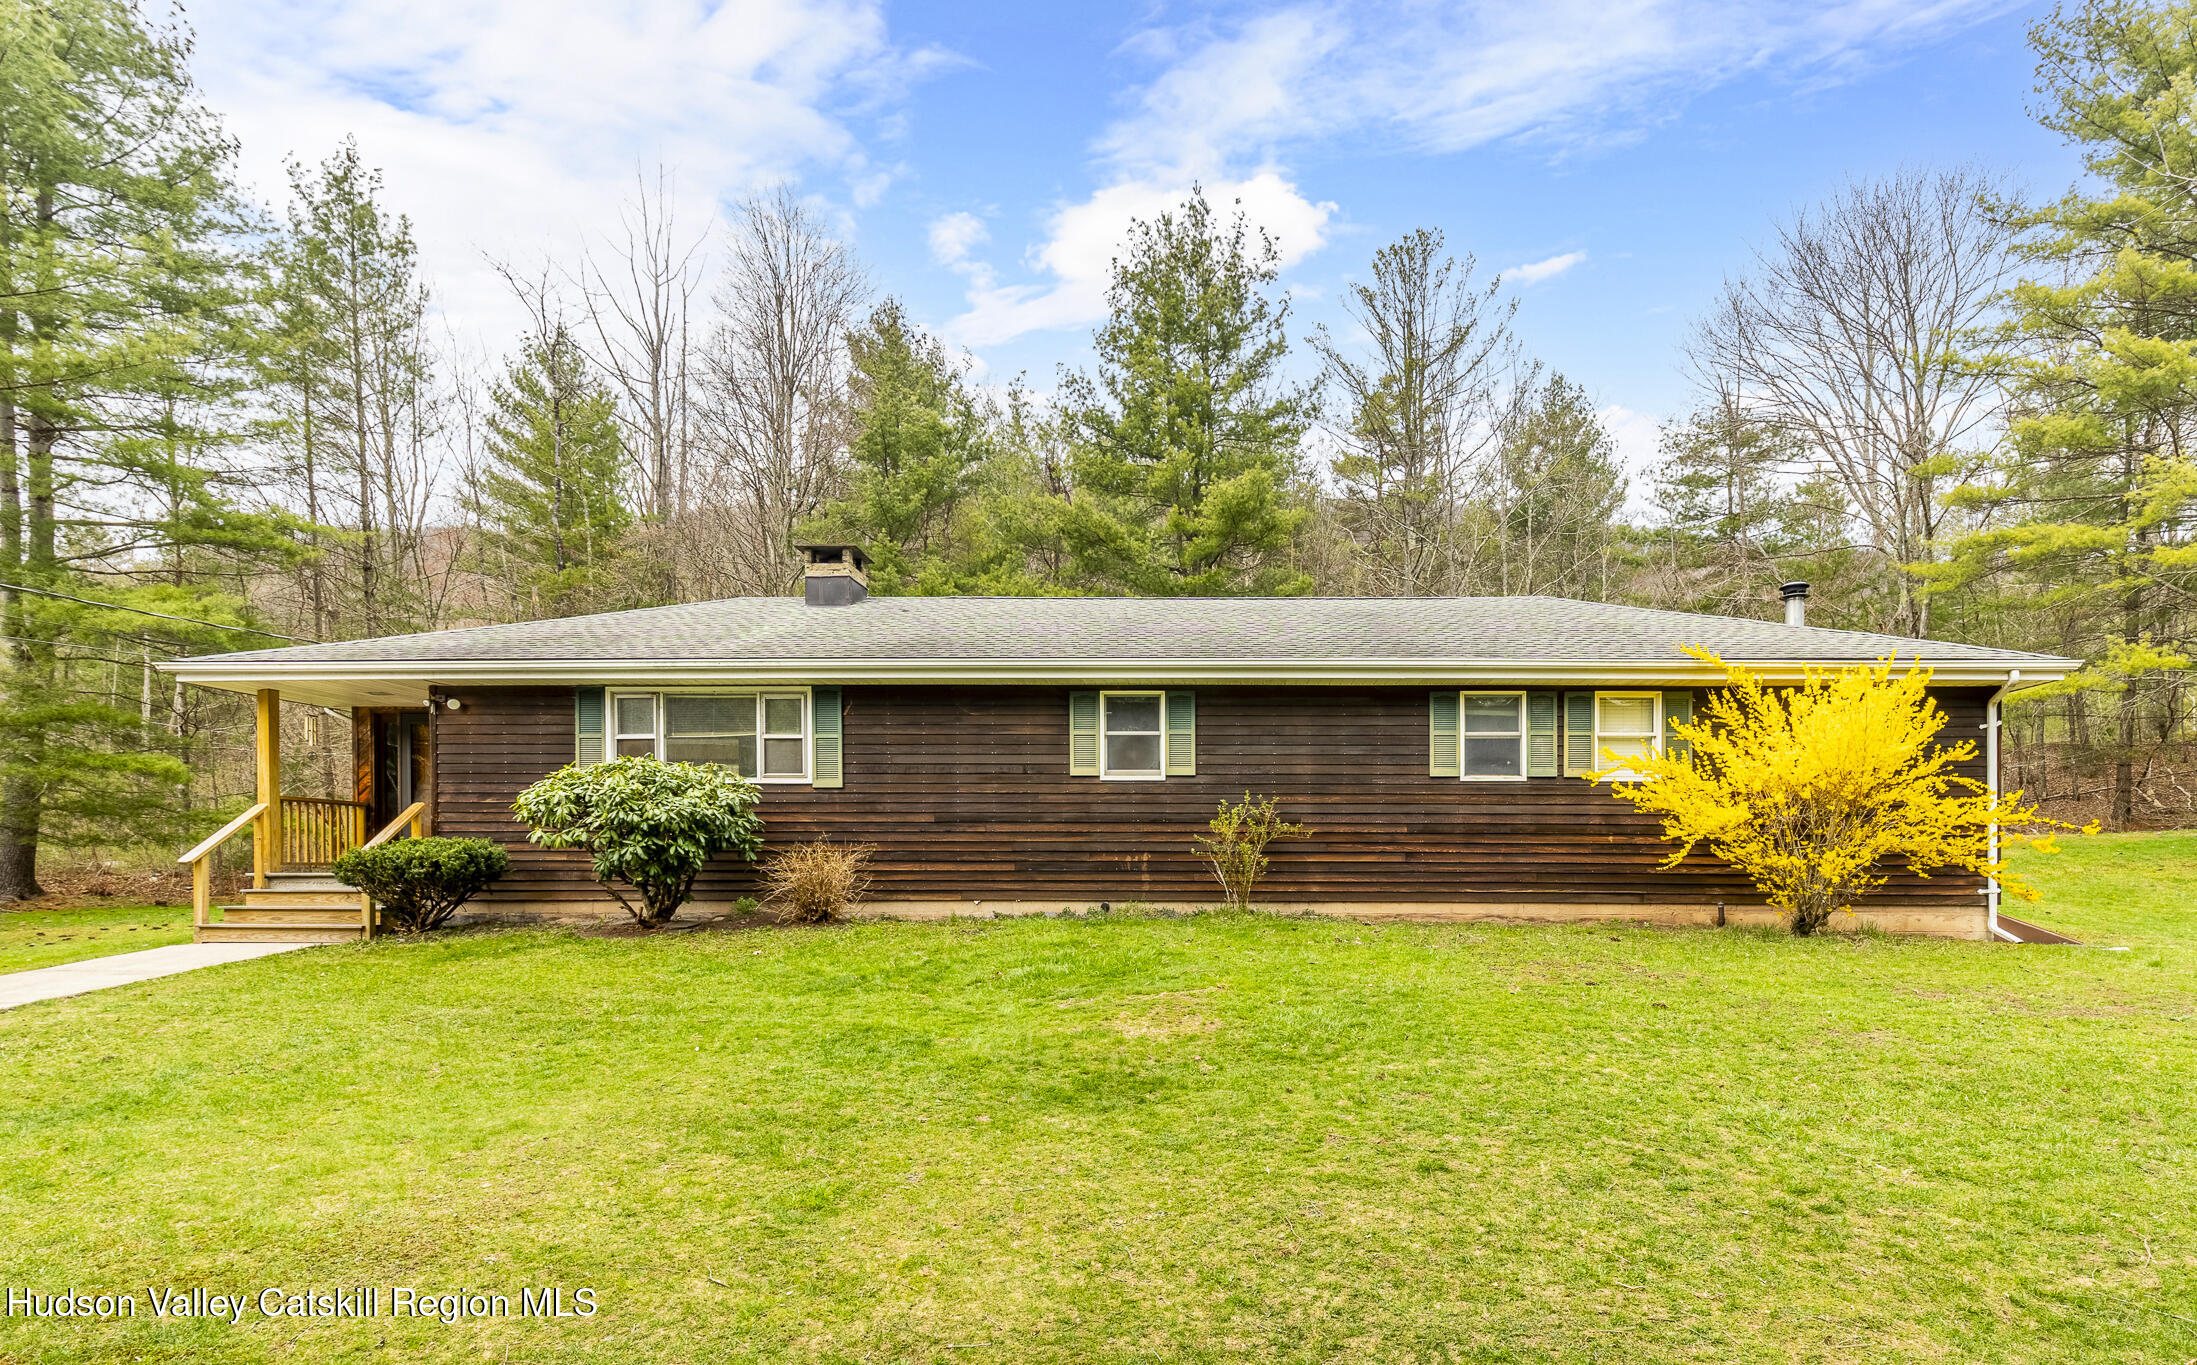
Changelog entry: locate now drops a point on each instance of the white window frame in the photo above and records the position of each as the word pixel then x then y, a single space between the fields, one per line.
pixel 1654 737
pixel 1463 734
pixel 1105 750
pixel 616 735
pixel 761 694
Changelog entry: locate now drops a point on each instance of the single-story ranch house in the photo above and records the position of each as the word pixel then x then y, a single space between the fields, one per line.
pixel 1019 753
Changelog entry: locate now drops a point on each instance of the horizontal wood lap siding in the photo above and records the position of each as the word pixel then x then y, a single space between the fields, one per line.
pixel 965 793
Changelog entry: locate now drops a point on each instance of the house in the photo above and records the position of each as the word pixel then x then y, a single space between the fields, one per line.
pixel 1014 753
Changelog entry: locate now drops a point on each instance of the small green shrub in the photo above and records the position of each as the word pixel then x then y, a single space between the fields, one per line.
pixel 421 882
pixel 650 824
pixel 817 882
pixel 1236 849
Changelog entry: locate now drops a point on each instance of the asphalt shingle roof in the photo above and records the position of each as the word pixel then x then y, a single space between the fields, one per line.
pixel 759 629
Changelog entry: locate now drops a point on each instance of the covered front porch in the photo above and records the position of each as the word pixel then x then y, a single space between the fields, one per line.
pixel 295 839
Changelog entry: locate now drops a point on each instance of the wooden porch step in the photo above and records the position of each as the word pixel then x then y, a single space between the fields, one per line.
pixel 285 897
pixel 331 916
pixel 315 880
pixel 273 933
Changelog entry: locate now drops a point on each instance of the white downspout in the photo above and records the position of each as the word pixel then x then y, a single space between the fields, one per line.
pixel 1991 776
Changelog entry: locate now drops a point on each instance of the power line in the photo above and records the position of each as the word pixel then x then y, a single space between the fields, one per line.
pixel 186 620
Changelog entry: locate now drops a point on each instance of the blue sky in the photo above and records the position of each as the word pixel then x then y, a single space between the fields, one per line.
pixel 985 162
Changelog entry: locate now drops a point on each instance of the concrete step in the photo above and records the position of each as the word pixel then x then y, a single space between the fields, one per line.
pixel 315 880
pixel 272 933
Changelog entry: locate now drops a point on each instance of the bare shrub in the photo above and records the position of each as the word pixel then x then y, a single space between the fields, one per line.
pixel 1236 849
pixel 819 881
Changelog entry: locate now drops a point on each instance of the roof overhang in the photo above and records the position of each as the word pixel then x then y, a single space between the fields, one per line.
pixel 408 682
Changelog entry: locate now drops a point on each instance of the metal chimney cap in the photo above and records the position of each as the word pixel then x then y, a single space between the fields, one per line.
pixel 1793 591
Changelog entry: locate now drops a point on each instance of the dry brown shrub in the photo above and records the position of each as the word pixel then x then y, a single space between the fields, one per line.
pixel 819 881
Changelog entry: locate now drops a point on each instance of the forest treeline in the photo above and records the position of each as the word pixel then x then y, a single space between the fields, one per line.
pixel 224 425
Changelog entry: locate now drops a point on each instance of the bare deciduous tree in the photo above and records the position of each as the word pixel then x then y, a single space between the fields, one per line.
pixel 639 300
pixel 1423 416
pixel 1848 336
pixel 775 415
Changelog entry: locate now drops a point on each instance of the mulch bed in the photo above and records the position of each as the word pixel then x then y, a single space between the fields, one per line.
pixel 758 919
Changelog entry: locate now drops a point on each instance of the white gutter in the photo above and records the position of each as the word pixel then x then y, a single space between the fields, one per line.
pixel 1991 774
pixel 244 675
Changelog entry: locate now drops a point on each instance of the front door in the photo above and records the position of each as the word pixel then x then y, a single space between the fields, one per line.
pixel 402 770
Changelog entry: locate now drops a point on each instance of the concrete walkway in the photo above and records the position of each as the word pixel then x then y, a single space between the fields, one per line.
pixel 121 969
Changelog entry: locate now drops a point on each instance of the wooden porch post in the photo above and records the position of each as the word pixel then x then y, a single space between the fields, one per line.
pixel 267 836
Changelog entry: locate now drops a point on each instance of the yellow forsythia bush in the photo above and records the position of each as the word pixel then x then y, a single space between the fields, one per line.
pixel 1810 789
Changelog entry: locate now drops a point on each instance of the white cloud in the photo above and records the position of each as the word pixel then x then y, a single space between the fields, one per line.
pixel 1083 239
pixel 1533 272
pixel 508 130
pixel 1638 437
pixel 1230 105
pixel 953 236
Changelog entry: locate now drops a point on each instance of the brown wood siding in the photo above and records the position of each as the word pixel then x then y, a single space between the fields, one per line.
pixel 965 793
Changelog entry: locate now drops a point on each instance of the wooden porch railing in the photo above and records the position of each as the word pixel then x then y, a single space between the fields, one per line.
pixel 201 862
pixel 413 816
pixel 317 830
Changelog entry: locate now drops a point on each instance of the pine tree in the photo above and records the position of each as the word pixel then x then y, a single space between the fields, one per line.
pixel 119 261
pixel 551 497
pixel 350 377
pixel 1185 441
pixel 915 462
pixel 1560 488
pixel 2093 505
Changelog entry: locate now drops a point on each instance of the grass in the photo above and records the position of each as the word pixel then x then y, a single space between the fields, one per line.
pixel 1225 1137
pixel 46 938
pixel 2131 889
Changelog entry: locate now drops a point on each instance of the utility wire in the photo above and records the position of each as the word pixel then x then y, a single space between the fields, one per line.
pixel 186 620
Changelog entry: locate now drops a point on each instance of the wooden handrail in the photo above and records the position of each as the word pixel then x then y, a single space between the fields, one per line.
pixel 202 864
pixel 222 835
pixel 410 815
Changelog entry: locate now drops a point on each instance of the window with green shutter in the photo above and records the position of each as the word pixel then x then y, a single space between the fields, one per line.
pixel 1182 734
pixel 587 725
pixel 1083 734
pixel 1542 728
pixel 1442 746
pixel 827 757
pixel 1579 759
pixel 1677 707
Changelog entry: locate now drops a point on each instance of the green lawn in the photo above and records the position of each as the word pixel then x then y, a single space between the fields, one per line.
pixel 1215 1138
pixel 43 938
pixel 2134 889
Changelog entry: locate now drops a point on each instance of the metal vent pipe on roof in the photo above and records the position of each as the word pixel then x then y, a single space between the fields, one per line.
pixel 1796 603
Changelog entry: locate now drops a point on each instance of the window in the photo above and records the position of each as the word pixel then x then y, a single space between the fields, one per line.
pixel 1627 725
pixel 706 729
pixel 635 728
pixel 784 752
pixel 1495 736
pixel 760 735
pixel 1133 734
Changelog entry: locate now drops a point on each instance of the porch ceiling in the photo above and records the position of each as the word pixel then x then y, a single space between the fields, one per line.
pixel 338 692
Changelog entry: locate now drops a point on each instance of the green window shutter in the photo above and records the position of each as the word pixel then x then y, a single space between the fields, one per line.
pixel 826 751
pixel 1579 756
pixel 1677 706
pixel 1182 734
pixel 1083 723
pixel 587 725
pixel 1442 735
pixel 1541 735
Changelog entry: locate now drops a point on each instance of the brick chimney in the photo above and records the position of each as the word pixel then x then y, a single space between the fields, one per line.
pixel 834 575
